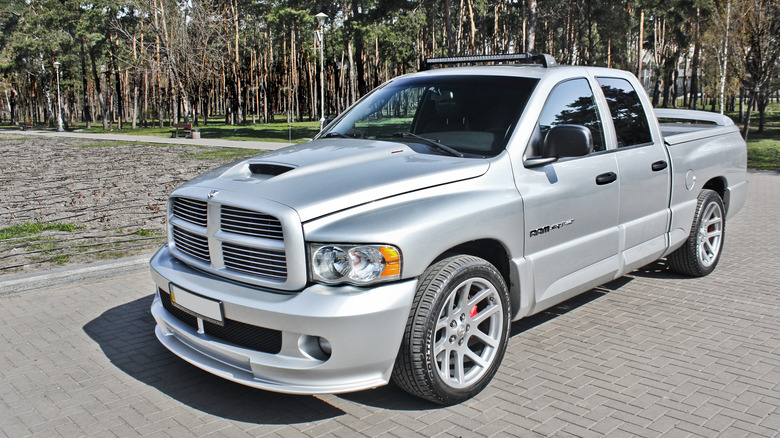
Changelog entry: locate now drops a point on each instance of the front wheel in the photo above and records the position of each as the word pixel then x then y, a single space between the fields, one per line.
pixel 701 252
pixel 457 331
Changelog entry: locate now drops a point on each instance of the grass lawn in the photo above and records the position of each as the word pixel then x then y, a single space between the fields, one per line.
pixel 764 148
pixel 278 131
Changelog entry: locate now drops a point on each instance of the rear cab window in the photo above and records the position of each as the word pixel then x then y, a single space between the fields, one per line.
pixel 628 114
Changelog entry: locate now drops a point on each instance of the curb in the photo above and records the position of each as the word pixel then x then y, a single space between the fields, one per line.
pixel 19 284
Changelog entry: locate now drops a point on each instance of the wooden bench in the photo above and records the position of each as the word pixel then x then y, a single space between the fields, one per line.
pixel 25 126
pixel 185 128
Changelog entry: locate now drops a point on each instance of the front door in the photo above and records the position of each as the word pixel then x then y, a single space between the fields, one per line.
pixel 571 206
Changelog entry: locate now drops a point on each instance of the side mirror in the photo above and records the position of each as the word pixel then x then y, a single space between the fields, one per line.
pixel 567 141
pixel 326 122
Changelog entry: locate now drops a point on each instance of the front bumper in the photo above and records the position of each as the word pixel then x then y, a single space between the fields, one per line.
pixel 364 327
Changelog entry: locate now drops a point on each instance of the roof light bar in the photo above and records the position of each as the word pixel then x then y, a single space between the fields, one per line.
pixel 526 58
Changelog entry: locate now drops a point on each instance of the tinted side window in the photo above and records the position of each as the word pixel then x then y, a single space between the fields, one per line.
pixel 628 115
pixel 572 103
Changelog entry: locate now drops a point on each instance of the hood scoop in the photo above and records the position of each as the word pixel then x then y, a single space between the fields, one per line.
pixel 269 169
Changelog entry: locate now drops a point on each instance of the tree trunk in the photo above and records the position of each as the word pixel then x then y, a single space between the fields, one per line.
pixel 135 86
pixel 352 74
pixel 85 85
pixel 530 36
pixel 357 35
pixel 695 76
pixel 158 71
pixel 99 89
pixel 656 92
pixel 448 28
pixel 117 80
pixel 763 101
pixel 49 116
pixel 746 128
pixel 640 44
pixel 472 28
pixel 685 82
pixel 237 68
pixel 741 103
pixel 13 104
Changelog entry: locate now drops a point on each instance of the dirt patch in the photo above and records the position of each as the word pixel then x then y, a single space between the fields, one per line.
pixel 72 201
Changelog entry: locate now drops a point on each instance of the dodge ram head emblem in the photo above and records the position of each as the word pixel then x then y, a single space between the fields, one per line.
pixel 213 193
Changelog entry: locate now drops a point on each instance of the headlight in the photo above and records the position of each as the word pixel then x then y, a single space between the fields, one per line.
pixel 356 264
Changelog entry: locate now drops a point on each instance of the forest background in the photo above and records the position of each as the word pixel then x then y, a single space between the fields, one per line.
pixel 125 63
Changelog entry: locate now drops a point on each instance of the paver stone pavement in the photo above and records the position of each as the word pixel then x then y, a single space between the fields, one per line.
pixel 650 354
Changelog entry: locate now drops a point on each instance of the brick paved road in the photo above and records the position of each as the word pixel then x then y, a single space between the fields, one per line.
pixel 650 354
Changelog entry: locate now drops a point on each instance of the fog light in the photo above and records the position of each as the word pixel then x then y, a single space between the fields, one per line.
pixel 314 347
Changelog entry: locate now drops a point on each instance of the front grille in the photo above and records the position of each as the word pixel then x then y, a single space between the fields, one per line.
pixel 255 261
pixel 238 333
pixel 251 223
pixel 252 242
pixel 190 210
pixel 194 245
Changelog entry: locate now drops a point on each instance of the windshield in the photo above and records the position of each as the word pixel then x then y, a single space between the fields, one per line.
pixel 471 116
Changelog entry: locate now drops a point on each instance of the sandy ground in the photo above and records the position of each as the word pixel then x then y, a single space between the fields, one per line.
pixel 109 197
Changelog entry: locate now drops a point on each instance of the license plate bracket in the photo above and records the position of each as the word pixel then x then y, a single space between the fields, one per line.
pixel 197 305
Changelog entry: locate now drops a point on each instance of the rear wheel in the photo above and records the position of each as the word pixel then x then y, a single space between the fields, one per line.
pixel 701 252
pixel 457 331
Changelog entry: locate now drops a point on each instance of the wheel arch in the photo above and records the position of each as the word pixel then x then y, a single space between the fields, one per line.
pixel 718 185
pixel 495 253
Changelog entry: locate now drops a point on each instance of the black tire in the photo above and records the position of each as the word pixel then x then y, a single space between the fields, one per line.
pixel 701 252
pixel 444 325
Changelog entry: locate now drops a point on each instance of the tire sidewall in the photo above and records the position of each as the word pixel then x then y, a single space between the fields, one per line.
pixel 709 197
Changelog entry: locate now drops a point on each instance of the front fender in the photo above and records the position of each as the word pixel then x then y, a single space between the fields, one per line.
pixel 426 223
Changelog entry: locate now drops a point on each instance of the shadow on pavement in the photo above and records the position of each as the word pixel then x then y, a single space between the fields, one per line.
pixel 567 306
pixel 126 335
pixel 659 269
pixel 392 398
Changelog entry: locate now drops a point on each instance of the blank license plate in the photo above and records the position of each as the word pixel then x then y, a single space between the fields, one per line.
pixel 202 307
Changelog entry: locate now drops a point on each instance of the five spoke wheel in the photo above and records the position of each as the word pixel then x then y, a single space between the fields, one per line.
pixel 457 331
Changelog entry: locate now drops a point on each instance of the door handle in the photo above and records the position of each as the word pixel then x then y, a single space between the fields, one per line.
pixel 659 165
pixel 606 178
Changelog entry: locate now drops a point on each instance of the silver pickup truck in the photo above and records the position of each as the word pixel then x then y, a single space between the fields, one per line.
pixel 406 237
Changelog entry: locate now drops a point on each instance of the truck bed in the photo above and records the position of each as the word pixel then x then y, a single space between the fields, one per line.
pixel 676 123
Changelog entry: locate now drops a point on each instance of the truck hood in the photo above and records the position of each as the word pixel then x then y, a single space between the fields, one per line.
pixel 325 176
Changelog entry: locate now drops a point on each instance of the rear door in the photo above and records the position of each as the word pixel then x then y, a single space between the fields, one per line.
pixel 571 205
pixel 645 181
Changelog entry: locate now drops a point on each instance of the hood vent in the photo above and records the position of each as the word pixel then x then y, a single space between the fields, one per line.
pixel 269 169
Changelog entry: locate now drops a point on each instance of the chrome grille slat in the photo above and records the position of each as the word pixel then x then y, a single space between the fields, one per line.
pixel 263 274
pixel 260 257
pixel 191 210
pixel 248 227
pixel 254 261
pixel 251 223
pixel 191 244
pixel 192 241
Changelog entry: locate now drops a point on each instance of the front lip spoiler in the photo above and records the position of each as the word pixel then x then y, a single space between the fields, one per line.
pixel 240 375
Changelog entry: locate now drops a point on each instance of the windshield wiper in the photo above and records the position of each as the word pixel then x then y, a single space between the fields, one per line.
pixel 430 142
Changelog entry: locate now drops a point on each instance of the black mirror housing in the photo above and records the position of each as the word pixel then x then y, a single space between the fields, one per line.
pixel 567 141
